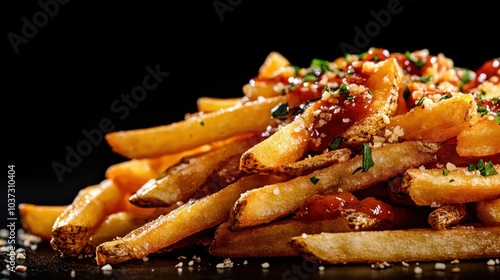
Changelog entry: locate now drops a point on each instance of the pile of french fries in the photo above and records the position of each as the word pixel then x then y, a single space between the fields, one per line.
pixel 371 157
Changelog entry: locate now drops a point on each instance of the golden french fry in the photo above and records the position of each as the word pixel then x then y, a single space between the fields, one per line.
pixel 384 85
pixel 268 203
pixel 448 215
pixel 207 104
pixel 77 222
pixel 130 175
pixel 285 146
pixel 273 63
pixel 488 212
pixel 400 245
pixel 194 132
pixel 168 229
pixel 449 117
pixel 481 139
pixel 39 219
pixel 218 167
pixel 269 240
pixel 437 187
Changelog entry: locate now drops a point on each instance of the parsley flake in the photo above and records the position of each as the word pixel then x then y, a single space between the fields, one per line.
pixel 314 180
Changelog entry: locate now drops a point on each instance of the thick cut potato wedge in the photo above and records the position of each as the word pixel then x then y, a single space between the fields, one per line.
pixel 400 245
pixel 268 203
pixel 77 222
pixel 449 117
pixel 479 140
pixel 39 219
pixel 188 219
pixel 194 132
pixel 433 187
pixel 215 169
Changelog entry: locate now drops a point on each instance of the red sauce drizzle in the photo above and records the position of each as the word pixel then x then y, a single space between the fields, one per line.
pixel 324 207
pixel 332 206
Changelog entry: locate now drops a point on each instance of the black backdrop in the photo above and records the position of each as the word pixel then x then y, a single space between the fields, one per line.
pixel 68 63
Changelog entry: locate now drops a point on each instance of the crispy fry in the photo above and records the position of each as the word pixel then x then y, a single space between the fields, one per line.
pixel 479 140
pixel 168 229
pixel 39 219
pixel 130 175
pixel 270 202
pixel 433 187
pixel 384 85
pixel 114 226
pixel 207 104
pixel 77 222
pixel 285 146
pixel 400 245
pixel 268 240
pixel 218 167
pixel 194 132
pixel 488 212
pixel 449 117
pixel 448 215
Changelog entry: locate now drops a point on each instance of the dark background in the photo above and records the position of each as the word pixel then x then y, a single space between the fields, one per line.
pixel 65 78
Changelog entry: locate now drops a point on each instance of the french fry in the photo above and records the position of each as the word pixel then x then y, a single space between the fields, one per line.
pixel 77 222
pixel 39 219
pixel 268 203
pixel 384 84
pixel 479 140
pixel 130 175
pixel 437 187
pixel 448 215
pixel 168 229
pixel 488 212
pixel 182 180
pixel 194 132
pixel 268 240
pixel 400 245
pixel 449 117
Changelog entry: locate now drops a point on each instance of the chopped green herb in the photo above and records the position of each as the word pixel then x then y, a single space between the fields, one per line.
pixel 444 97
pixel 367 162
pixel 321 64
pixel 452 180
pixel 412 58
pixel 420 101
pixel 497 118
pixel 495 100
pixel 362 55
pixel 446 172
pixel 280 110
pixel 406 93
pixel 336 143
pixel 202 122
pixel 310 78
pixel 482 110
pixel 296 70
pixel 425 79
pixel 370 92
pixel 484 169
pixel 343 89
pixel 314 180
pixel 327 89
pixel 466 77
